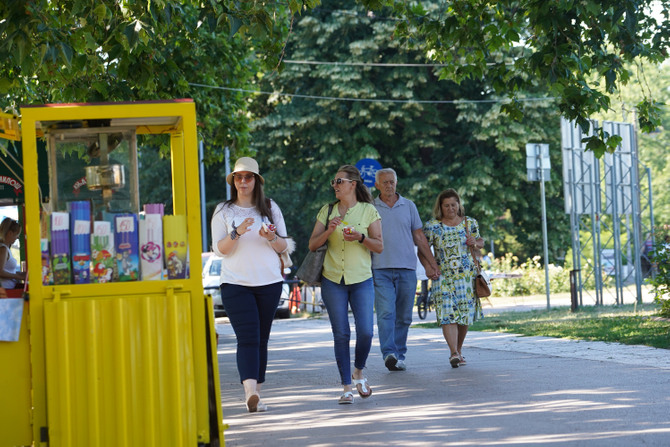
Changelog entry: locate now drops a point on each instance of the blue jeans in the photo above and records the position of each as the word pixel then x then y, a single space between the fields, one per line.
pixel 251 311
pixel 338 298
pixel 395 290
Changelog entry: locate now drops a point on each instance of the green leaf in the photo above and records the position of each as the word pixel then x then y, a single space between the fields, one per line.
pixel 649 117
pixel 613 141
pixel 21 46
pixel 596 145
pixel 295 6
pixel 100 12
pixel 67 52
pixel 235 24
pixel 130 33
pixel 100 87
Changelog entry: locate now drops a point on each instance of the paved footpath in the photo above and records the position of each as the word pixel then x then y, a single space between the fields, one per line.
pixel 514 391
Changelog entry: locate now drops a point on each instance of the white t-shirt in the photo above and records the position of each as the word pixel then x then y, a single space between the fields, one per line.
pixel 11 266
pixel 253 261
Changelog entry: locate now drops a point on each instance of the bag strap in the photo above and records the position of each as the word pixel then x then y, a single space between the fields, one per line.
pixel 472 250
pixel 330 210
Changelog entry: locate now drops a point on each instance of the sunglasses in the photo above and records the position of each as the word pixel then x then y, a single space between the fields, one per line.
pixel 338 181
pixel 245 177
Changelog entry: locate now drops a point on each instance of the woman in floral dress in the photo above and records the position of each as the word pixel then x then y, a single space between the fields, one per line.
pixel 456 305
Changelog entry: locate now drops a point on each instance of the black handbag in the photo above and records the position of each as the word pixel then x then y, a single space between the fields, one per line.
pixel 310 270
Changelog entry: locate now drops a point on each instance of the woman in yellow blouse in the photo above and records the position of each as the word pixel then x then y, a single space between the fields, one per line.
pixel 354 230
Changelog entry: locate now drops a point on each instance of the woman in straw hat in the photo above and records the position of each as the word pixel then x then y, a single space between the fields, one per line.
pixel 248 231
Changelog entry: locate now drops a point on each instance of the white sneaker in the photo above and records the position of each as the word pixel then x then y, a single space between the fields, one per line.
pixel 400 365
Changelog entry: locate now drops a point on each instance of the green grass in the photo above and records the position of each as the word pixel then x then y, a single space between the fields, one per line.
pixel 628 324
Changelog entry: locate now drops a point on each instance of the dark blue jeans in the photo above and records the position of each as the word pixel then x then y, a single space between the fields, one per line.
pixel 395 290
pixel 338 298
pixel 251 311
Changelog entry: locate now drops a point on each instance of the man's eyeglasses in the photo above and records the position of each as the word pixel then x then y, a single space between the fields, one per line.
pixel 245 177
pixel 338 181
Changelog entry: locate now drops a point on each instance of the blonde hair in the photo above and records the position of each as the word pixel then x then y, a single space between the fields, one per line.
pixel 446 194
pixel 8 224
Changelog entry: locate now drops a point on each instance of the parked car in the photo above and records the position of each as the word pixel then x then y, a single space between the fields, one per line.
pixel 211 272
pixel 283 310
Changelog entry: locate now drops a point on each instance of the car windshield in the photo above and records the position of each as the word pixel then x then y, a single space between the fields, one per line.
pixel 205 257
pixel 215 268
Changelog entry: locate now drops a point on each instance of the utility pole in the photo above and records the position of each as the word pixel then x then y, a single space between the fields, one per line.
pixel 538 168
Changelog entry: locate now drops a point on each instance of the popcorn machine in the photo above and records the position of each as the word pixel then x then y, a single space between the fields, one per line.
pixel 122 340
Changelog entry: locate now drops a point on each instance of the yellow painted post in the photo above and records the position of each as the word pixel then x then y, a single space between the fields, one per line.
pixel 178 173
pixel 32 202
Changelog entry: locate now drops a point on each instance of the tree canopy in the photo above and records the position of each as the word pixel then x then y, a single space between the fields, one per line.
pixel 579 54
pixel 434 134
pixel 77 50
pixel 112 50
pixel 572 46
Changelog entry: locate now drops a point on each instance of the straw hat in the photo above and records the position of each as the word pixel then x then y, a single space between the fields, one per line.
pixel 245 164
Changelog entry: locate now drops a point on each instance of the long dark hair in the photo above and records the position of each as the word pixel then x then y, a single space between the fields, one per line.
pixel 362 191
pixel 262 203
pixel 447 193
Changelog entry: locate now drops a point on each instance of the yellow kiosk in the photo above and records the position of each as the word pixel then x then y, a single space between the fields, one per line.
pixel 121 350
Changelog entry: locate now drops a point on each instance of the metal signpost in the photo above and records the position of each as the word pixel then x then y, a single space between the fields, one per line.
pixel 538 167
pixel 611 213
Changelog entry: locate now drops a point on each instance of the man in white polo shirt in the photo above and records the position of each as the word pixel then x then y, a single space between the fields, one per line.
pixel 394 269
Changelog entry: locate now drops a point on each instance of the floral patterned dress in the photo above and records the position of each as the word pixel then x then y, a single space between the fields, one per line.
pixel 452 293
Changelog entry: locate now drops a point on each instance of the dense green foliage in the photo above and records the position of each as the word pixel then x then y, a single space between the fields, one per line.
pixel 77 50
pixel 574 47
pixel 439 143
pixel 661 280
pixel 517 221
pixel 108 50
pixel 652 147
pixel 577 52
pixel 301 142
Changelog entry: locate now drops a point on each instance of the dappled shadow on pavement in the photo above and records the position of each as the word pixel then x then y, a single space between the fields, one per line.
pixel 503 397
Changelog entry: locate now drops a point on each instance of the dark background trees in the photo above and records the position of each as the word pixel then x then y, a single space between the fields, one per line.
pixel 443 142
pixel 217 52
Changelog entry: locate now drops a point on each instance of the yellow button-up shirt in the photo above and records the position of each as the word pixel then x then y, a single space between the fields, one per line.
pixel 350 260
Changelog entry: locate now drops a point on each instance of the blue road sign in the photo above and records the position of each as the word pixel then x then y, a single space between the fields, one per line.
pixel 368 167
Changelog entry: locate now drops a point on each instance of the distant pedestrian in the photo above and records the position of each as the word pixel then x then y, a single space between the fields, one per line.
pixel 11 275
pixel 452 234
pixel 394 270
pixel 248 232
pixel 353 230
